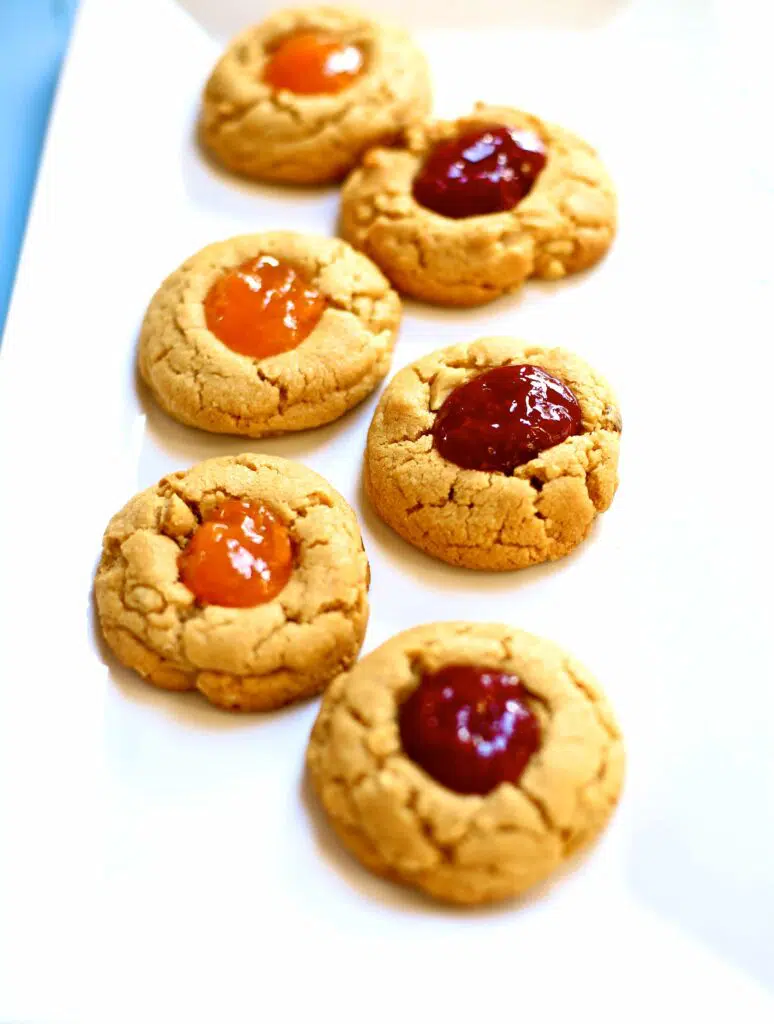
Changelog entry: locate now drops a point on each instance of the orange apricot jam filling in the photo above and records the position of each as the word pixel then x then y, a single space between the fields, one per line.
pixel 262 307
pixel 238 557
pixel 311 63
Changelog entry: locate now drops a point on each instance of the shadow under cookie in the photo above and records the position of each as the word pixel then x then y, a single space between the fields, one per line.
pixel 185 444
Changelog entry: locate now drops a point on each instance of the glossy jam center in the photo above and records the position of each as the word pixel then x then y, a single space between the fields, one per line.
pixel 485 171
pixel 262 307
pixel 469 728
pixel 313 62
pixel 505 417
pixel 238 557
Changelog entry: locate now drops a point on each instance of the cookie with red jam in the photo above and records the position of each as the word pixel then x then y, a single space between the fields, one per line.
pixel 467 760
pixel 463 211
pixel 494 455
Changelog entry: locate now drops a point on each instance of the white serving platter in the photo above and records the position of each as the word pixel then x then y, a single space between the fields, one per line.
pixel 160 860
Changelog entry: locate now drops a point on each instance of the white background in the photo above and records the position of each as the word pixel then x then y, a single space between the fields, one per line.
pixel 159 860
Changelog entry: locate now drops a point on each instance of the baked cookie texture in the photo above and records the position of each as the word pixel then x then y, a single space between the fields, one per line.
pixel 402 824
pixel 565 224
pixel 485 520
pixel 201 382
pixel 246 659
pixel 282 136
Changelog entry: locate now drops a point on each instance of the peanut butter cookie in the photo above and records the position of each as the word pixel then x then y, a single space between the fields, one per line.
pixel 494 455
pixel 299 97
pixel 268 333
pixel 244 578
pixel 466 210
pixel 467 760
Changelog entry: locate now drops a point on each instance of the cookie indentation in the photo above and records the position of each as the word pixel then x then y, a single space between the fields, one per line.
pixel 504 417
pixel 469 728
pixel 262 307
pixel 312 63
pixel 485 171
pixel 240 556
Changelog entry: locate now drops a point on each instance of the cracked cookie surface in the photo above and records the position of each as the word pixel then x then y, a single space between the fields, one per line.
pixel 565 224
pixel 490 520
pixel 278 135
pixel 201 382
pixel 248 659
pixel 401 823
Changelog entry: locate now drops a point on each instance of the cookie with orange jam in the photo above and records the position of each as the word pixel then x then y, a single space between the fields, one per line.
pixel 463 211
pixel 300 96
pixel 243 577
pixel 468 760
pixel 268 333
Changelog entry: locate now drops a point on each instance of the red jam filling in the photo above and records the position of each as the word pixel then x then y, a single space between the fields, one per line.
pixel 505 417
pixel 469 728
pixel 262 307
pixel 311 63
pixel 239 556
pixel 484 171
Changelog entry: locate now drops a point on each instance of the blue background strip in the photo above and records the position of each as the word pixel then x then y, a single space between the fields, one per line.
pixel 33 39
